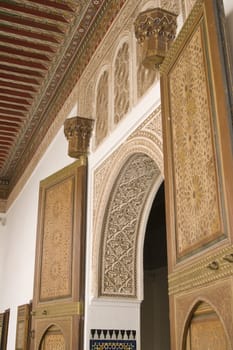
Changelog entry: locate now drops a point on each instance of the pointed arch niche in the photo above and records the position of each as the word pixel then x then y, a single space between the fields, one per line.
pixel 53 338
pixel 205 329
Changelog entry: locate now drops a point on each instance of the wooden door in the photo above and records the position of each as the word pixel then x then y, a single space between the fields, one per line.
pixel 23 327
pixel 57 321
pixel 4 321
pixel 197 124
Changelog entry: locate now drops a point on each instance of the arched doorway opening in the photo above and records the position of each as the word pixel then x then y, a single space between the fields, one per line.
pixel 53 339
pixel 155 331
pixel 205 330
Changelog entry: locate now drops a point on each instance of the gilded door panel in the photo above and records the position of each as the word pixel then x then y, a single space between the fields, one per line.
pixel 56 256
pixel 59 271
pixel 197 137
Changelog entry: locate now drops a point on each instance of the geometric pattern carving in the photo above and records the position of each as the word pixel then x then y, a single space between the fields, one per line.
pixel 121 223
pixel 190 121
pixel 197 199
pixel 199 274
pixel 121 83
pixel 112 344
pixel 56 264
pixel 102 108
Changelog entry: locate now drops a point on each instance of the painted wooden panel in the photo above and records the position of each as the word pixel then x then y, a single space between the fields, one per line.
pixel 197 135
pixel 59 272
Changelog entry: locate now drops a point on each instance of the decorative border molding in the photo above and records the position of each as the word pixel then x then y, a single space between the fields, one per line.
pixel 182 37
pixel 207 270
pixel 65 309
pixel 108 339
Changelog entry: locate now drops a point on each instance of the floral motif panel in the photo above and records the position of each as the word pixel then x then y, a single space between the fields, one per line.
pixel 56 268
pixel 102 103
pixel 121 225
pixel 197 207
pixel 121 83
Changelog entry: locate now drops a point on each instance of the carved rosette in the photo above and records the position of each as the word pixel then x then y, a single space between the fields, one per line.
pixel 78 133
pixel 155 30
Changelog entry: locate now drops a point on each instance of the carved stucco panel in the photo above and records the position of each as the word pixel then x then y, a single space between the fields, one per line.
pixel 219 296
pixel 102 107
pixel 122 218
pixel 121 83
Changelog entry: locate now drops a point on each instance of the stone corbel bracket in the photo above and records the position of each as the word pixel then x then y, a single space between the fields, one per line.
pixel 155 30
pixel 78 133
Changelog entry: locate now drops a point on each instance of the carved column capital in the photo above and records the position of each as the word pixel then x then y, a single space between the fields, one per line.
pixel 78 133
pixel 155 29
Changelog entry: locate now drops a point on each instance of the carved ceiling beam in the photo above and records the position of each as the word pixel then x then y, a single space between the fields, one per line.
pixel 155 30
pixel 78 133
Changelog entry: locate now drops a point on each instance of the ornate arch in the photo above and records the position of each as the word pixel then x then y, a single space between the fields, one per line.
pixel 144 148
pixel 118 273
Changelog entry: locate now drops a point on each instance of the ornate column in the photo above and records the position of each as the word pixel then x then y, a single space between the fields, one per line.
pixel 78 133
pixel 155 30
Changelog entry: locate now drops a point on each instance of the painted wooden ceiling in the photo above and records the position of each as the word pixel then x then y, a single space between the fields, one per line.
pixel 44 47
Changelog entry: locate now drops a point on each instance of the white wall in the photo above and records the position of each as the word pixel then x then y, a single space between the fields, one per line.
pixel 17 238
